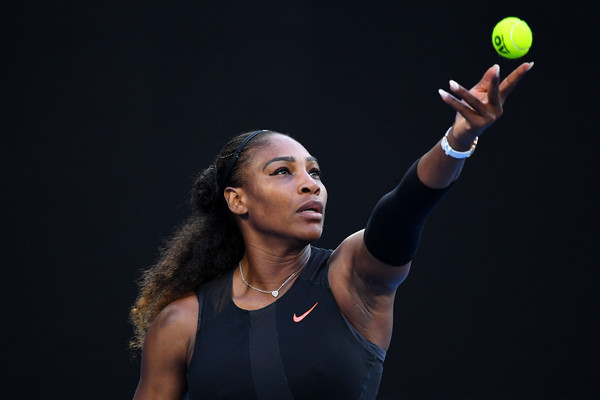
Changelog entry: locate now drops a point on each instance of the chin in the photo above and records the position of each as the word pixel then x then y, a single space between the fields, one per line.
pixel 311 237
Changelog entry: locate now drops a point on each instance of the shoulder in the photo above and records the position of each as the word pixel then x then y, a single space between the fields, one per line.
pixel 178 320
pixel 174 327
pixel 166 349
pixel 353 264
pixel 179 313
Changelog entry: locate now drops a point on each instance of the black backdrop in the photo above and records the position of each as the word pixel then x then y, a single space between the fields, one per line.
pixel 112 109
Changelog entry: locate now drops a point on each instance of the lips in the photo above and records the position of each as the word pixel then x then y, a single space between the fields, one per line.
pixel 313 206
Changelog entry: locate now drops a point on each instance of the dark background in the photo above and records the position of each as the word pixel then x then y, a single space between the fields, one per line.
pixel 111 109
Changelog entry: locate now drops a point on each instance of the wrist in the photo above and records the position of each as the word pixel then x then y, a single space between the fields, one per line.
pixel 457 148
pixel 460 137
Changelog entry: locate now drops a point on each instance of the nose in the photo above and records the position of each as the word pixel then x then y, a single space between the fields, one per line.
pixel 308 184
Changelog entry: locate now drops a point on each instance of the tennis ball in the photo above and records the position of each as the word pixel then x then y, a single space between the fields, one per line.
pixel 512 37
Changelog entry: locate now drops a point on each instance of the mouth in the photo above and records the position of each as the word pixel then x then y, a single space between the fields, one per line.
pixel 309 211
pixel 311 207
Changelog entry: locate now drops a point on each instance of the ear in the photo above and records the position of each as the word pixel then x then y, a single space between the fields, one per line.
pixel 235 200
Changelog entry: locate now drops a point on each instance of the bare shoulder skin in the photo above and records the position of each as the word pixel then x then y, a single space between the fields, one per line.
pixel 167 351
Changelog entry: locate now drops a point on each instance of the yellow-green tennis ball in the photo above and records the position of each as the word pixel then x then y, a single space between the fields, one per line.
pixel 512 37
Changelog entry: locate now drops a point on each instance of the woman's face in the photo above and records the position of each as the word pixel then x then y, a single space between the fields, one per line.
pixel 283 194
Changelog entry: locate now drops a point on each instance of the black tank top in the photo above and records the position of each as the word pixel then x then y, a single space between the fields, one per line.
pixel 299 347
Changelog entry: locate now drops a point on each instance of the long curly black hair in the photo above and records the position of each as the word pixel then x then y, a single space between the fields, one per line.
pixel 207 245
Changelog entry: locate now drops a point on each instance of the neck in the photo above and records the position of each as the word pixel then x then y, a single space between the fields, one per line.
pixel 266 271
pixel 268 268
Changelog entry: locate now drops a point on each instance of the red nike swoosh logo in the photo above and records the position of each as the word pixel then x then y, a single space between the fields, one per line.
pixel 300 318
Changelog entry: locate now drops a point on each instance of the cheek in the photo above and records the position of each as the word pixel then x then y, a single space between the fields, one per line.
pixel 268 202
pixel 323 195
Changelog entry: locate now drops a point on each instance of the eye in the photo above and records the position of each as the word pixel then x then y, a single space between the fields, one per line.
pixel 315 172
pixel 281 171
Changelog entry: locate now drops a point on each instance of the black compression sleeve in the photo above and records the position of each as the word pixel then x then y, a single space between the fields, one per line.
pixel 394 229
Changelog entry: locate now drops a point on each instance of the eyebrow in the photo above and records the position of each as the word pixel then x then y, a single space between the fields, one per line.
pixel 289 159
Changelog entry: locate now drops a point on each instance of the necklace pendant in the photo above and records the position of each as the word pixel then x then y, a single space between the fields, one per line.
pixel 275 293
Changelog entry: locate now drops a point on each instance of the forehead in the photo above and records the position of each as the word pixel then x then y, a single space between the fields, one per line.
pixel 281 146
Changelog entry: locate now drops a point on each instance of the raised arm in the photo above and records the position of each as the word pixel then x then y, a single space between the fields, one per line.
pixel 367 267
pixel 480 107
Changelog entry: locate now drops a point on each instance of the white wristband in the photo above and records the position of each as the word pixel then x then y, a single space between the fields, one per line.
pixel 456 154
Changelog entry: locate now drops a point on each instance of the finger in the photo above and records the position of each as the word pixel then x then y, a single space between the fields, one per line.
pixel 510 82
pixel 460 107
pixel 494 89
pixel 469 98
pixel 487 78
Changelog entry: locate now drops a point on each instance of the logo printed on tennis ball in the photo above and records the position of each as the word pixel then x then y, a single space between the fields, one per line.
pixel 512 37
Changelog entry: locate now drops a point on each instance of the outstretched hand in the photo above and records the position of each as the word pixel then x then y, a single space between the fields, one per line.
pixel 482 105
